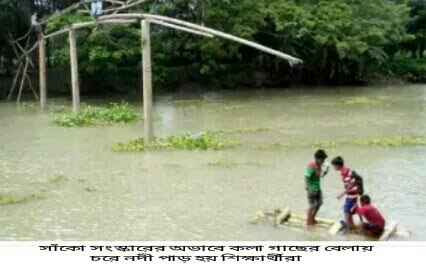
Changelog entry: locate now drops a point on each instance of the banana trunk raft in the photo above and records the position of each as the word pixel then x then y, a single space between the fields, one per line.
pixel 285 218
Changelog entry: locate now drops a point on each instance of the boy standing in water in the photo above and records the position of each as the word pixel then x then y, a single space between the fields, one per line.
pixel 351 191
pixel 313 175
pixel 373 223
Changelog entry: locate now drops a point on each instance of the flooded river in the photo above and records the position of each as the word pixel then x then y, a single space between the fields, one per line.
pixel 84 191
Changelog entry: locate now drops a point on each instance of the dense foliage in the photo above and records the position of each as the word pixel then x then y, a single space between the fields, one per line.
pixel 340 41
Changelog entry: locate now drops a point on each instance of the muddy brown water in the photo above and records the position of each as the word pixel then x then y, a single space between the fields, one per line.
pixel 209 195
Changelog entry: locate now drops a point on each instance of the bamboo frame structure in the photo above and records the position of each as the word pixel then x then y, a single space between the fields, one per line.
pixel 145 21
pixel 292 60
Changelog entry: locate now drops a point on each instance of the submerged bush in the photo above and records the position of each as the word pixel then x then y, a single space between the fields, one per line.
pixel 97 115
pixel 202 141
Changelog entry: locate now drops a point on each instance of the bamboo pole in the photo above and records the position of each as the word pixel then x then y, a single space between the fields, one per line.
pixel 292 60
pixel 90 24
pixel 147 81
pixel 30 84
pixel 42 71
pixel 184 29
pixel 74 71
pixel 15 80
pixel 21 87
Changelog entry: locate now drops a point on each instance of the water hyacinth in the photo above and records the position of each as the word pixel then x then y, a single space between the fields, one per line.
pixel 97 115
pixel 202 141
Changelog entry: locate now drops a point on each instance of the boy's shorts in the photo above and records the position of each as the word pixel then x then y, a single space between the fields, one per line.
pixel 375 230
pixel 348 205
pixel 315 199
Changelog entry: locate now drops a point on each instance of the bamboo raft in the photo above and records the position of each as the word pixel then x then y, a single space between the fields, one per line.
pixel 286 219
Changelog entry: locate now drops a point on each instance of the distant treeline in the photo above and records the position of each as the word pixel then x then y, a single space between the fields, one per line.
pixel 340 41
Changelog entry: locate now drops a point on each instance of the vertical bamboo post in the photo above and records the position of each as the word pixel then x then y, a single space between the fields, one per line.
pixel 42 70
pixel 74 71
pixel 147 81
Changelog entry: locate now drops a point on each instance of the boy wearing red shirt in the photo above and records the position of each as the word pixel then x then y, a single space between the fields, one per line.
pixel 351 190
pixel 373 223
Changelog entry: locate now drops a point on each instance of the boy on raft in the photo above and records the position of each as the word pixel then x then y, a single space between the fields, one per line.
pixel 313 176
pixel 353 188
pixel 373 223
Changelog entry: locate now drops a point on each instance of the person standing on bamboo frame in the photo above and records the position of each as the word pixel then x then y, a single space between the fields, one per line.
pixel 313 174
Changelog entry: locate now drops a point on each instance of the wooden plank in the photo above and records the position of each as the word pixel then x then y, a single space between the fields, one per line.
pixel 74 72
pixel 147 81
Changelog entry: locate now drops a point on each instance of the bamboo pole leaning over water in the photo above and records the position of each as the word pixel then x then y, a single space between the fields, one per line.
pixel 147 81
pixel 291 60
pixel 74 71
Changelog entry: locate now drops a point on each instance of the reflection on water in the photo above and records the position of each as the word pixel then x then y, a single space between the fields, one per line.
pixel 209 195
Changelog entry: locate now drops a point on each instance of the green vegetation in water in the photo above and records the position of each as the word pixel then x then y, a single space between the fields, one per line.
pixel 392 141
pixel 15 199
pixel 228 164
pixel 396 141
pixel 292 145
pixel 202 141
pixel 60 109
pixel 96 115
pixel 360 100
pixel 222 163
pixel 90 189
pixel 57 179
pixel 243 130
pixel 325 144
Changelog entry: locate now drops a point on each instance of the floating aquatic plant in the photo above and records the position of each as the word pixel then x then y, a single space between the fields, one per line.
pixel 202 141
pixel 384 142
pixel 14 199
pixel 222 163
pixel 97 115
pixel 392 141
pixel 292 145
pixel 360 100
pixel 225 163
pixel 242 130
pixel 57 178
pixel 325 144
